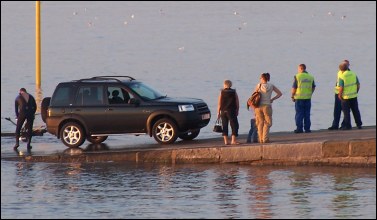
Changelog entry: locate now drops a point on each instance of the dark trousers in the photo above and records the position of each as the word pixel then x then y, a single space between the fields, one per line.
pixel 302 116
pixel 337 112
pixel 228 117
pixel 29 126
pixel 347 106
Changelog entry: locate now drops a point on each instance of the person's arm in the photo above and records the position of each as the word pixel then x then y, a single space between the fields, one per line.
pixel 34 105
pixel 294 88
pixel 313 87
pixel 219 106
pixel 16 106
pixel 278 94
pixel 341 85
pixel 237 104
pixel 358 84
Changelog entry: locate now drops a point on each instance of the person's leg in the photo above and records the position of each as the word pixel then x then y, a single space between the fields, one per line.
pixel 267 111
pixel 225 122
pixel 234 125
pixel 347 115
pixel 337 113
pixel 29 126
pixel 254 135
pixel 307 107
pixel 299 116
pixel 356 112
pixel 20 123
pixel 251 130
pixel 259 118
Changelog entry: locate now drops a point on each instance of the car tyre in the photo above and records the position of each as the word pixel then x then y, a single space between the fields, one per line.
pixel 72 134
pixel 96 139
pixel 44 107
pixel 165 131
pixel 189 135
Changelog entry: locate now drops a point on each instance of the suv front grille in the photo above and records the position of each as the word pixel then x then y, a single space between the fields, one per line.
pixel 202 108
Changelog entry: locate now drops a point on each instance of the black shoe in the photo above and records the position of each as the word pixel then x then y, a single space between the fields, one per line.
pixel 16 146
pixel 308 131
pixel 298 131
pixel 359 127
pixel 332 128
pixel 29 147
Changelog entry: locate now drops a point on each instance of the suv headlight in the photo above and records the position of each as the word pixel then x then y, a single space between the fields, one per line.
pixel 186 108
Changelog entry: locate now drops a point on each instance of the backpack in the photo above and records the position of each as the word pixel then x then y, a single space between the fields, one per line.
pixel 254 99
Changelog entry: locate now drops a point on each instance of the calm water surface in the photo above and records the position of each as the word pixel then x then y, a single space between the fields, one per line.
pixel 112 190
pixel 188 49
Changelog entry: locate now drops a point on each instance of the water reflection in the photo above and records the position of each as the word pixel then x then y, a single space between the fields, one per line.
pixel 301 184
pixel 97 147
pixel 116 190
pixel 38 98
pixel 260 191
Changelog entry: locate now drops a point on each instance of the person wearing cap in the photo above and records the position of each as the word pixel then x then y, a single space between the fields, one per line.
pixel 337 102
pixel 302 91
pixel 25 108
pixel 349 87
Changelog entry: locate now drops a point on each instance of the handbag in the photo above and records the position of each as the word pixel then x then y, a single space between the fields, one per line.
pixel 218 126
pixel 254 99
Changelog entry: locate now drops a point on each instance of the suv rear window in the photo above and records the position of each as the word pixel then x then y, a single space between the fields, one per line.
pixel 62 96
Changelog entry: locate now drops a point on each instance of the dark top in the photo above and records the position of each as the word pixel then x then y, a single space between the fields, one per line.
pixel 24 108
pixel 228 100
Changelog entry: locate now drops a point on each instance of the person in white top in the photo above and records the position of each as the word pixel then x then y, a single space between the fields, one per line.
pixel 263 113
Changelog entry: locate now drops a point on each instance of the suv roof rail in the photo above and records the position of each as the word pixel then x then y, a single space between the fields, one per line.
pixel 107 78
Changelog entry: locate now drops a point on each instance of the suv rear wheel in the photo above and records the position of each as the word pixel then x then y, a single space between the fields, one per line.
pixel 72 134
pixel 96 139
pixel 44 106
pixel 165 131
pixel 189 135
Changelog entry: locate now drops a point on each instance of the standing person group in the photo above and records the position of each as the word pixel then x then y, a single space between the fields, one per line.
pixel 349 87
pixel 25 108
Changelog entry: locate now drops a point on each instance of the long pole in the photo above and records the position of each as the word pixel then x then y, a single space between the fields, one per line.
pixel 37 45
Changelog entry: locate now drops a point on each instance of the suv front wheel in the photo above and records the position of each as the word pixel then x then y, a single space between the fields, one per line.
pixel 165 131
pixel 72 134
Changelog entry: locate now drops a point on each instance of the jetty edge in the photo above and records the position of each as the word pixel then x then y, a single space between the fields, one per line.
pixel 354 148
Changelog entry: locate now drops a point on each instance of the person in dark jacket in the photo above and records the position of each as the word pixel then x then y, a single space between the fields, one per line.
pixel 25 108
pixel 228 107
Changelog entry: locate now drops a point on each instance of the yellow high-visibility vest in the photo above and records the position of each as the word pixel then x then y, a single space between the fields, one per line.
pixel 304 86
pixel 350 84
pixel 336 88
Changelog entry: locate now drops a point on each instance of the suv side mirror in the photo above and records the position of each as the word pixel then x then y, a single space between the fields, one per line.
pixel 134 101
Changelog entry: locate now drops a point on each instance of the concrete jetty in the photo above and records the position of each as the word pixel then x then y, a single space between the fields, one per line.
pixel 356 147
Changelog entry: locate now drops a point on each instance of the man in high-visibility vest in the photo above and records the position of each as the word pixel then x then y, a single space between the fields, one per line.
pixel 302 91
pixel 349 87
pixel 337 102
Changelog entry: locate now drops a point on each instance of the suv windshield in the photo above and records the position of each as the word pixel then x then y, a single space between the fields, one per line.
pixel 145 92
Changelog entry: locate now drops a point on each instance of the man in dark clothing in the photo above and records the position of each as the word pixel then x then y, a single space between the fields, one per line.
pixel 25 108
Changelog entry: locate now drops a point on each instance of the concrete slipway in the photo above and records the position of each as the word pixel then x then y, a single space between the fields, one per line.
pixel 356 147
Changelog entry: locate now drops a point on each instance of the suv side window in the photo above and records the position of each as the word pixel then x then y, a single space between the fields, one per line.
pixel 89 95
pixel 117 95
pixel 62 96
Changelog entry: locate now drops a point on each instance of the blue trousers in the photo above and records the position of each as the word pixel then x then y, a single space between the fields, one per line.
pixel 302 116
pixel 253 132
pixel 337 112
pixel 347 106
